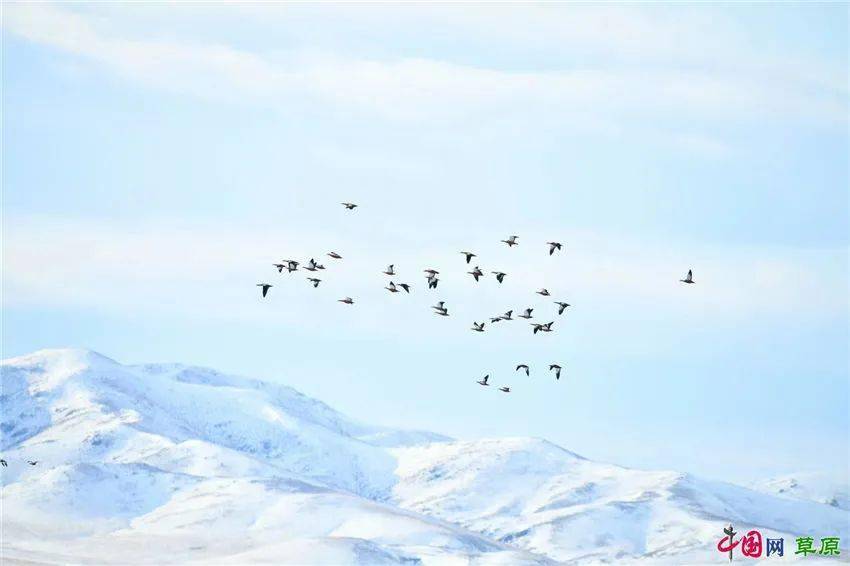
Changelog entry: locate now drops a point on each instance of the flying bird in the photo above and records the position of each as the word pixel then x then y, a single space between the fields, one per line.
pixel 561 306
pixel 469 256
pixel 537 327
pixel 349 205
pixel 547 327
pixel 266 287
pixel 442 312
pixel 557 369
pixel 312 265
pixel 505 389
pixel 511 241
pixel 3 463
pixel 439 306
pixel 499 275
pixel 405 286
pixel 32 462
pixel 484 380
pixel 495 319
pixel 689 278
pixel 347 301
pixel 476 273
pixel 522 366
pixel 389 270
pixel 314 281
pixel 334 255
pixel 432 282
pixel 507 315
pixel 391 288
pixel 281 266
pixel 478 326
pixel 554 246
pixel 543 292
pixel 291 265
pixel 526 314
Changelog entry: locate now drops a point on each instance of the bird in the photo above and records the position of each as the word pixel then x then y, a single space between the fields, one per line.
pixel 266 287
pixel 389 270
pixel 314 281
pixel 484 380
pixel 439 306
pixel 542 327
pixel 522 366
pixel 495 319
pixel 689 278
pixel 319 266
pixel 505 389
pixel 334 255
pixel 469 256
pixel 347 301
pixel 312 265
pixel 349 205
pixel 526 314
pixel 280 266
pixel 432 282
pixel 405 286
pixel 3 463
pixel 391 288
pixel 32 462
pixel 561 306
pixel 478 326
pixel 499 275
pixel 442 312
pixel 553 246
pixel 507 315
pixel 511 241
pixel 557 369
pixel 291 265
pixel 476 273
pixel 543 292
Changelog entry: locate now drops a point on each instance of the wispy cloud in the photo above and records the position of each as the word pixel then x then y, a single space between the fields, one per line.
pixel 597 93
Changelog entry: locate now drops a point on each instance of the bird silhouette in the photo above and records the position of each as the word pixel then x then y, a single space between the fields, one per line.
pixel 522 366
pixel 511 241
pixel 432 282
pixel 314 281
pixel 499 275
pixel 266 287
pixel 3 463
pixel 405 286
pixel 526 314
pixel 312 265
pixel 561 306
pixel 347 301
pixel 478 326
pixel 505 389
pixel 334 255
pixel 349 205
pixel 280 266
pixel 469 256
pixel 389 270
pixel 553 246
pixel 543 292
pixel 32 462
pixel 484 380
pixel 689 278
pixel 391 288
pixel 476 273
pixel 557 369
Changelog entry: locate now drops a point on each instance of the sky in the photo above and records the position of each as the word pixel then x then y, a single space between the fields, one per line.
pixel 158 158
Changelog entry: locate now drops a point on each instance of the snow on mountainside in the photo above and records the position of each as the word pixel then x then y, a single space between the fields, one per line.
pixel 169 463
pixel 809 486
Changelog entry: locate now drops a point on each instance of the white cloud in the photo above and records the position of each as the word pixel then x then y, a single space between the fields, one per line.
pixel 597 94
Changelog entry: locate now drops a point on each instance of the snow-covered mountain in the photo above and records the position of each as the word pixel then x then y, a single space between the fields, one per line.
pixel 170 463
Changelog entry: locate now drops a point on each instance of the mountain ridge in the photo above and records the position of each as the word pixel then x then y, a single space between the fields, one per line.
pixel 233 466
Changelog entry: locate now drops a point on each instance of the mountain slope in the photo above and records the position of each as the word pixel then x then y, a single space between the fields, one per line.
pixel 168 463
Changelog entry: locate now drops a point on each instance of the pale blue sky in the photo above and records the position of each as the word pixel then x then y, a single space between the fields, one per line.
pixel 158 158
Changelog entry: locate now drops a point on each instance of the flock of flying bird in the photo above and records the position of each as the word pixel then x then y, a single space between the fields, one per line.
pixel 432 279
